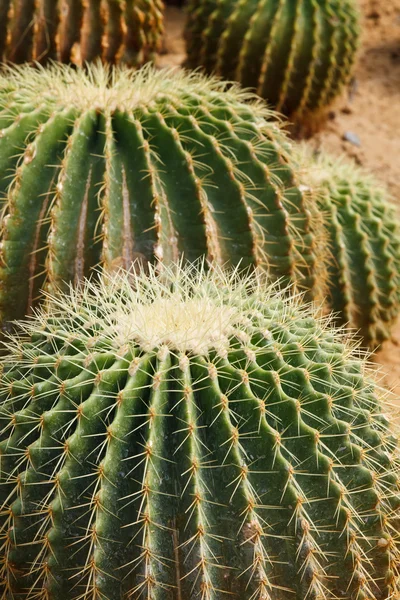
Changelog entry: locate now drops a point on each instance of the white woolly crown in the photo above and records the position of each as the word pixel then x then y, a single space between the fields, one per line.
pixel 186 308
pixel 110 88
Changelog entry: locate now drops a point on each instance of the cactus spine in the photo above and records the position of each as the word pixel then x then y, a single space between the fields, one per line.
pixel 364 236
pixel 243 454
pixel 298 54
pixel 171 164
pixel 80 31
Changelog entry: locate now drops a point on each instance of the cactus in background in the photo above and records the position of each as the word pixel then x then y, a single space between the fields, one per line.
pixel 196 437
pixel 364 236
pixel 80 31
pixel 296 54
pixel 102 167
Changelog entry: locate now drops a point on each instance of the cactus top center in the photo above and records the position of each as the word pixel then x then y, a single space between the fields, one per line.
pixel 186 325
pixel 187 310
pixel 107 89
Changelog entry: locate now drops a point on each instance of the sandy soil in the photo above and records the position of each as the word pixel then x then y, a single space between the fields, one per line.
pixel 368 115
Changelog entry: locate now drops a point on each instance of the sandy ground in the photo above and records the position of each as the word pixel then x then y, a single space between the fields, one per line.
pixel 368 115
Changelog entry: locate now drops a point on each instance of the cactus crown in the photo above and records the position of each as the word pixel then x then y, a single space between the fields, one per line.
pixel 185 309
pixel 251 458
pixel 107 88
pixel 172 163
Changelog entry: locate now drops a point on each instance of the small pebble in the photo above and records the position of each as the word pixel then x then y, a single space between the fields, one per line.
pixel 347 110
pixel 353 138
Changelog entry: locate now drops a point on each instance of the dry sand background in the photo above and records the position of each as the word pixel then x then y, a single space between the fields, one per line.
pixel 368 115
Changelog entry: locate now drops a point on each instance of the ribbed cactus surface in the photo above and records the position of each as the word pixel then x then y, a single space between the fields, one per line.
pixel 363 232
pixel 298 54
pixel 109 166
pixel 196 437
pixel 80 30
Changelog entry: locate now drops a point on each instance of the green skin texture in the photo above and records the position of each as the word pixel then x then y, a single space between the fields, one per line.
pixel 363 233
pixel 297 54
pixel 112 30
pixel 83 187
pixel 159 475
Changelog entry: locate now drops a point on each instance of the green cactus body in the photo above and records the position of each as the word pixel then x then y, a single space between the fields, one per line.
pixel 104 168
pixel 80 30
pixel 364 235
pixel 195 437
pixel 296 54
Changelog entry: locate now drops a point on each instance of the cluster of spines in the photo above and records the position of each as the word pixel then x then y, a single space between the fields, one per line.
pixel 298 55
pixel 185 144
pixel 260 472
pixel 129 31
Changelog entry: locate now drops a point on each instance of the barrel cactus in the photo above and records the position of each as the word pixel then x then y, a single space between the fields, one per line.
pixel 195 436
pixel 108 166
pixel 79 30
pixel 296 54
pixel 363 233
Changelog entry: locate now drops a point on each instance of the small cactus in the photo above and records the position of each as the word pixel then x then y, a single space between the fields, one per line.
pixel 80 31
pixel 363 232
pixel 298 54
pixel 107 166
pixel 196 436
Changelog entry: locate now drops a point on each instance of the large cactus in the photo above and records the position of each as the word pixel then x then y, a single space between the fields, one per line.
pixel 199 437
pixel 108 166
pixel 80 30
pixel 298 54
pixel 363 232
